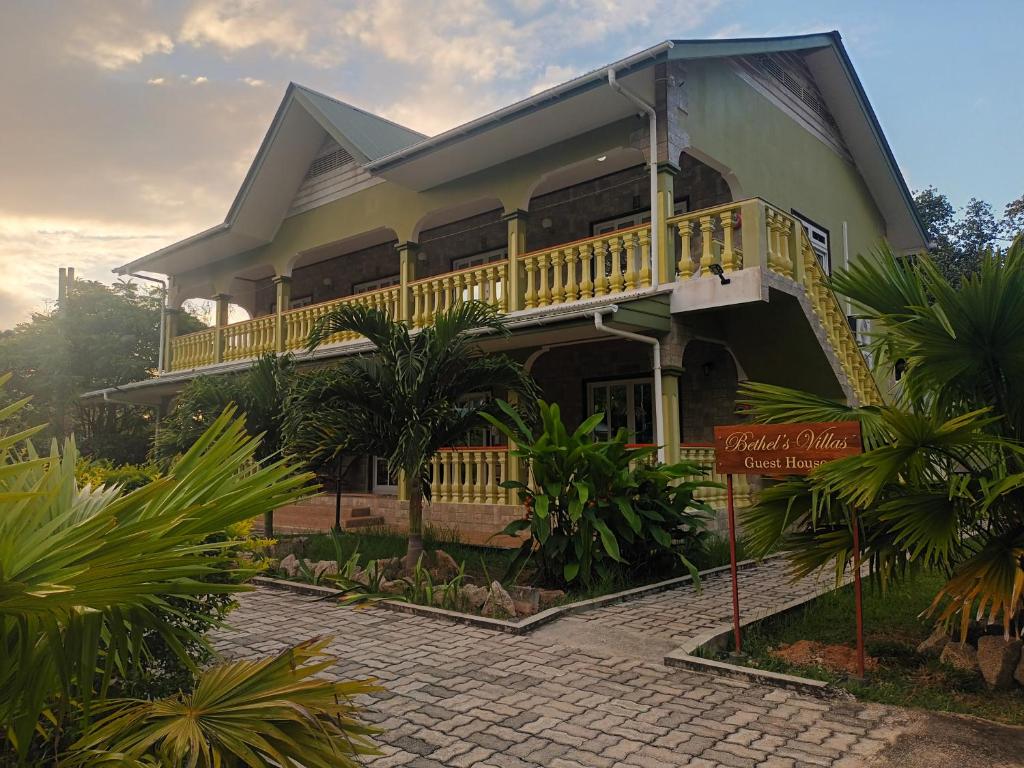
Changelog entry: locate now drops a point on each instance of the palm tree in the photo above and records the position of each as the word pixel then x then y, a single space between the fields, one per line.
pixel 87 574
pixel 408 398
pixel 259 392
pixel 941 483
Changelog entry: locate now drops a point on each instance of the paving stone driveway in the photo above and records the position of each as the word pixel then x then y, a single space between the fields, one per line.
pixel 587 691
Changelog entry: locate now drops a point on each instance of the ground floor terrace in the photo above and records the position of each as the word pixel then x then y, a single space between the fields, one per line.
pixel 593 690
pixel 579 364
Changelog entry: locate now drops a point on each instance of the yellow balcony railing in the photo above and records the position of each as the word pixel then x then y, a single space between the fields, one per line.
pixel 431 295
pixel 709 236
pixel 193 350
pixel 592 267
pixel 704 454
pixel 299 322
pixel 249 338
pixel 471 475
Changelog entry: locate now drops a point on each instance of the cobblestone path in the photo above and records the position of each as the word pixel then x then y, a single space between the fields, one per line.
pixel 586 691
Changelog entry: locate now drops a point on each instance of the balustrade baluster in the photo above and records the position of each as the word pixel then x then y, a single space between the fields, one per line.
pixel 557 293
pixel 684 268
pixel 645 257
pixel 530 297
pixel 586 283
pixel 544 294
pixel 707 254
pixel 502 476
pixel 600 269
pixel 615 257
pixel 435 477
pixel 492 287
pixel 730 260
pixel 631 253
pixel 480 476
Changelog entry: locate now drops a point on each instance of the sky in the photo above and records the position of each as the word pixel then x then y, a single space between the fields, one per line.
pixel 126 126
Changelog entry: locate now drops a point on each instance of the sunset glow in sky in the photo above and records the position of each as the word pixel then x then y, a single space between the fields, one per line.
pixel 129 125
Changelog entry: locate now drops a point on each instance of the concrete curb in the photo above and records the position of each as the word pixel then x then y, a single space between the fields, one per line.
pixel 501 625
pixel 718 639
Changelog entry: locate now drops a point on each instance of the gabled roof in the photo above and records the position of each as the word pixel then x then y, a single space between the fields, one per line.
pixel 289 146
pixel 413 160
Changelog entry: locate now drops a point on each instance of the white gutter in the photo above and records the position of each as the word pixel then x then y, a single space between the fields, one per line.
pixel 652 116
pixel 163 312
pixel 659 426
pixel 551 94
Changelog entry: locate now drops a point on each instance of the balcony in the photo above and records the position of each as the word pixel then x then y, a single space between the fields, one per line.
pixel 739 237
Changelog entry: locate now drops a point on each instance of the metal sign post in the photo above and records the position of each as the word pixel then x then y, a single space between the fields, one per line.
pixel 857 602
pixel 732 561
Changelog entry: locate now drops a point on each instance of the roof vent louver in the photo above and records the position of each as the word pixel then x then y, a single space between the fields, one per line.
pixel 328 162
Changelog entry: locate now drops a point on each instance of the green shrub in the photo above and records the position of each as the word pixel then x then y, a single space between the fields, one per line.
pixel 598 510
pixel 129 477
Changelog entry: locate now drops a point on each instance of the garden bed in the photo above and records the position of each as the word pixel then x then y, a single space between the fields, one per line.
pixel 817 641
pixel 457 582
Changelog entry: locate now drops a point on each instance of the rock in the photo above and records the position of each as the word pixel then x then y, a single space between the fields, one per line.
pixel 473 597
pixel 549 597
pixel 961 656
pixel 324 567
pixel 499 604
pixel 1018 675
pixel 442 566
pixel 394 587
pixel 290 566
pixel 526 600
pixel 998 658
pixel 935 642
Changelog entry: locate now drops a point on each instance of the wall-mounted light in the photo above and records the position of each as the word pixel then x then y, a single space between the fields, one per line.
pixel 328 282
pixel 546 223
pixel 421 256
pixel 717 271
pixel 707 368
pixel 602 158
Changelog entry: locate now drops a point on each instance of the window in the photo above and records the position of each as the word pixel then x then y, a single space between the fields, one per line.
pixel 482 436
pixel 376 285
pixel 481 292
pixel 479 259
pixel 383 481
pixel 818 236
pixel 627 404
pixel 634 219
pixel 300 301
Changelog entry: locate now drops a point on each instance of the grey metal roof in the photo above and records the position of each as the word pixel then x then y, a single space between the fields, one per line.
pixel 372 135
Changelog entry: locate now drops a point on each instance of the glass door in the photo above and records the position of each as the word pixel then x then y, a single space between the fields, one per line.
pixel 626 405
pixel 384 483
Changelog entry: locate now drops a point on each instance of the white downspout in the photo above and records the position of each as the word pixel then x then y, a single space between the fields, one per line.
pixel 659 426
pixel 656 222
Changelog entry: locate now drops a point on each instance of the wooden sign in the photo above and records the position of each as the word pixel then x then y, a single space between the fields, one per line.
pixel 783 449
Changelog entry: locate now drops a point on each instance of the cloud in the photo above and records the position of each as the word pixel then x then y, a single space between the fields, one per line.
pixel 106 162
pixel 237 25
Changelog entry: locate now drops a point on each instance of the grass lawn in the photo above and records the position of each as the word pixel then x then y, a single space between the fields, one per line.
pixel 892 630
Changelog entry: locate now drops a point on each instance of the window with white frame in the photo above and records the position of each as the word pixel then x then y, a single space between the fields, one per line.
pixel 626 404
pixel 818 236
pixel 634 219
pixel 479 259
pixel 376 285
pixel 384 482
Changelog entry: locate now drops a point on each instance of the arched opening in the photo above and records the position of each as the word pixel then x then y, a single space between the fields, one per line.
pixel 459 237
pixel 707 390
pixel 359 264
pixel 586 198
pixel 703 182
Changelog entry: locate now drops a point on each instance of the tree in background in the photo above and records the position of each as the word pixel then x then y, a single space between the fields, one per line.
pixel 105 336
pixel 959 241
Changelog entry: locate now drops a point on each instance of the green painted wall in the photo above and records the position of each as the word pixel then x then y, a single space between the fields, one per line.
pixel 775 157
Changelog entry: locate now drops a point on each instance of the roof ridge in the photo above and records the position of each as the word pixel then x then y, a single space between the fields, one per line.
pixel 366 112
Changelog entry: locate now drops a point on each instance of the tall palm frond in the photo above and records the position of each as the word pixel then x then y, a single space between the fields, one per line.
pixel 942 480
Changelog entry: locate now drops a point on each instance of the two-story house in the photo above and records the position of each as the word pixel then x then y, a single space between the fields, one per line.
pixel 654 230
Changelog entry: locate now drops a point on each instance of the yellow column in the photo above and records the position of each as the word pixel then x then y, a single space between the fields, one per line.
pixel 670 412
pixel 754 233
pixel 516 223
pixel 220 321
pixel 283 299
pixel 407 273
pixel 666 204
